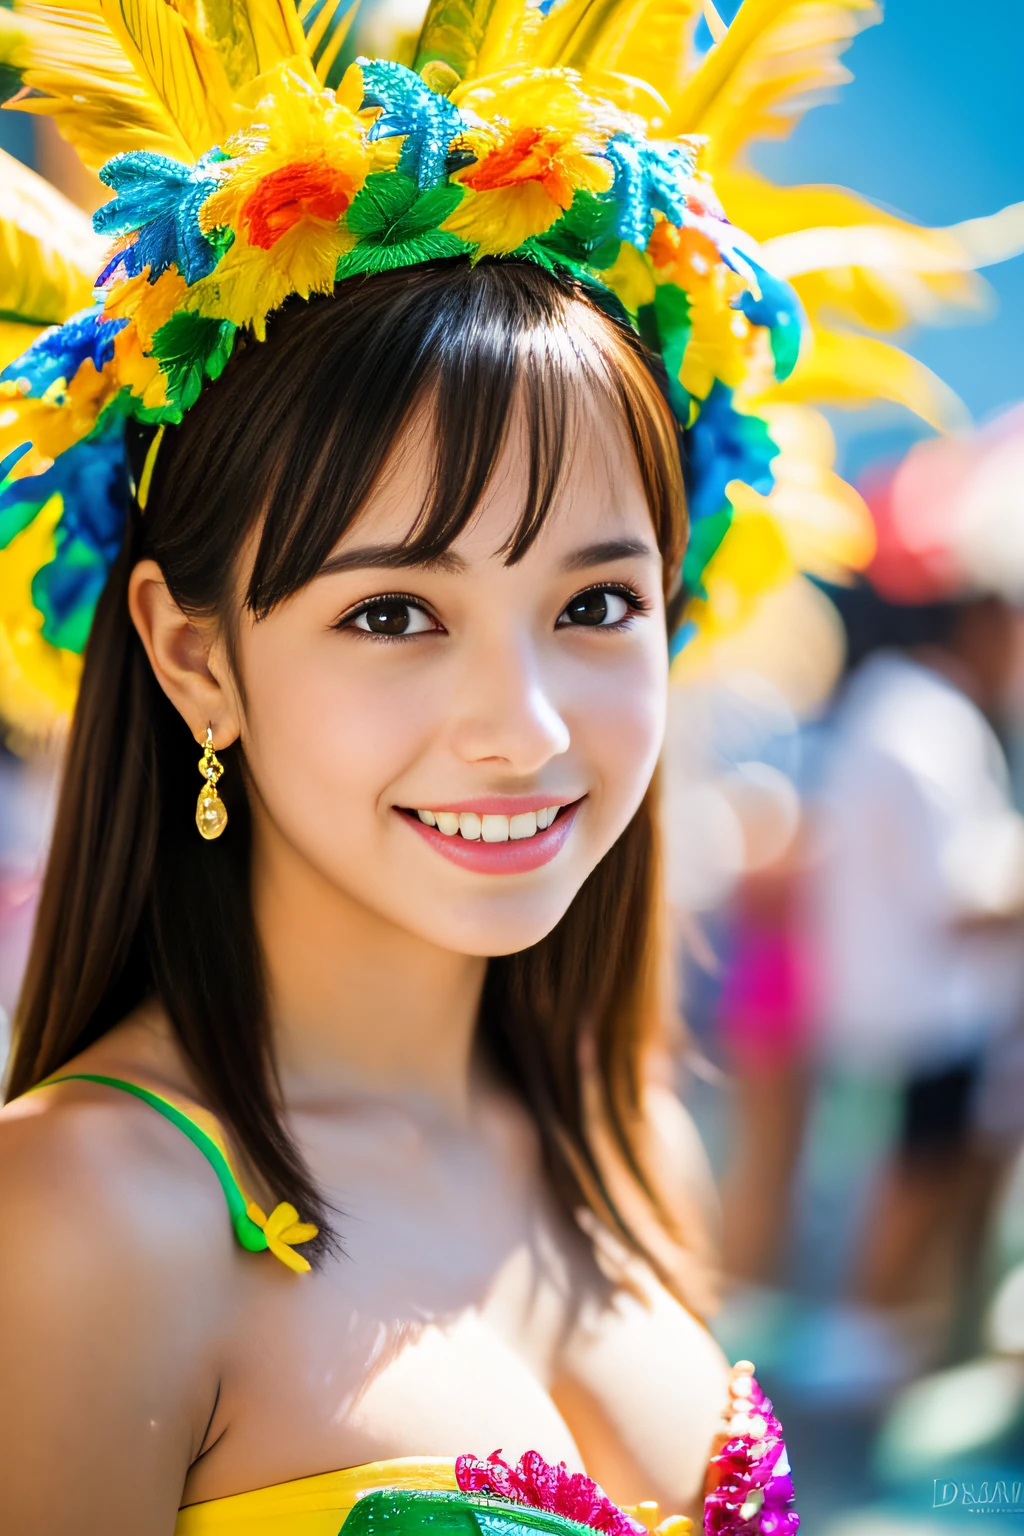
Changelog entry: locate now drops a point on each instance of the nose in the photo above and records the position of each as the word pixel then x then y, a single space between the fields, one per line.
pixel 505 712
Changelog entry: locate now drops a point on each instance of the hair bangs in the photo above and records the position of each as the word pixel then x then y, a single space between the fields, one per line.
pixel 323 406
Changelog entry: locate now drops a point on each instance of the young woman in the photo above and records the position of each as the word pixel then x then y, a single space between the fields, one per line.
pixel 334 1159
pixel 452 617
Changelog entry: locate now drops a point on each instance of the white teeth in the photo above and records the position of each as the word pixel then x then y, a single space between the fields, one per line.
pixel 490 829
pixel 494 829
pixel 469 825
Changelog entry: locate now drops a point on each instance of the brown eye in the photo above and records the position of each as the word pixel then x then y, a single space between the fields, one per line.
pixel 596 608
pixel 392 617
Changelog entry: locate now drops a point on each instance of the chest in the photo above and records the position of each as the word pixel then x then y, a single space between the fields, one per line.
pixel 436 1330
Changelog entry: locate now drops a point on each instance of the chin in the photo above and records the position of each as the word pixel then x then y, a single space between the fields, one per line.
pixel 514 926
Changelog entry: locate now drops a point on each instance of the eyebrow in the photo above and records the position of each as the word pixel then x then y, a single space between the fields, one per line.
pixel 610 549
pixel 390 556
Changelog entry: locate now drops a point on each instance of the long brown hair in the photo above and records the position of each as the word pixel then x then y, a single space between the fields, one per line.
pixel 282 451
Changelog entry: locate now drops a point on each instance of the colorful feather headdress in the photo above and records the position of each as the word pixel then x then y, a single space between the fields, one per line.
pixel 250 167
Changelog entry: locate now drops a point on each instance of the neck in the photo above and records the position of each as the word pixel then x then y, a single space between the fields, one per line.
pixel 358 1005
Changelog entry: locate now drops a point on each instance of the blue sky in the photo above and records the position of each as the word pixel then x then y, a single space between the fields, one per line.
pixel 931 126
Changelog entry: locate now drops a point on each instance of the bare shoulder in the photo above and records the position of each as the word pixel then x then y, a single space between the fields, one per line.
pixel 115 1274
pixel 93 1166
pixel 95 1156
pixel 117 1215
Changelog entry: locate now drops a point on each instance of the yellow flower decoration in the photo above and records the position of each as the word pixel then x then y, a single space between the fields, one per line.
pixel 146 306
pixel 283 1228
pixel 293 174
pixel 538 139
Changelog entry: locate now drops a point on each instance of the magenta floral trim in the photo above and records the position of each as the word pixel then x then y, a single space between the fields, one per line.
pixel 751 1490
pixel 536 1482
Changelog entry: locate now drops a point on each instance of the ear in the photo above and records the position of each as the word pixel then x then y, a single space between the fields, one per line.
pixel 188 658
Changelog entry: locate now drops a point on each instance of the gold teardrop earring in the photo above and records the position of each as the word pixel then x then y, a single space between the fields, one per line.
pixel 211 812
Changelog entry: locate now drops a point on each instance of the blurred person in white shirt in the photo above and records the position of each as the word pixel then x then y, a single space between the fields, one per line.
pixel 917 919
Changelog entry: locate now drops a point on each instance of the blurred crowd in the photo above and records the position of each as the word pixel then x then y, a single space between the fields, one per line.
pixel 847 865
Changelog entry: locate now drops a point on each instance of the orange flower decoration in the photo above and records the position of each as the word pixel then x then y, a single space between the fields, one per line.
pixel 524 176
pixel 311 189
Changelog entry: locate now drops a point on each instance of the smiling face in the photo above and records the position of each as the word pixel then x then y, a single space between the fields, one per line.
pixel 467 737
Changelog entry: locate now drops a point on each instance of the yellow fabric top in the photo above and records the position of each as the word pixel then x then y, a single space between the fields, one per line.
pixel 311 1506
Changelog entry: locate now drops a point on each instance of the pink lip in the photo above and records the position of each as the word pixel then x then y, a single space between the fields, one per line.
pixel 511 858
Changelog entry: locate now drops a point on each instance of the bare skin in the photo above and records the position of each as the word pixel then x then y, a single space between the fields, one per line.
pixel 148 1361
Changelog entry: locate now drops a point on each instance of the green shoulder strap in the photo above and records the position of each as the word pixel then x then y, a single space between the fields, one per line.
pixel 255 1231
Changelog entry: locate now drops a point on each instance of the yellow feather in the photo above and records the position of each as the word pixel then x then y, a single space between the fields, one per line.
pixel 276 30
pixel 774 57
pixel 49 255
pixel 78 75
pixel 452 33
pixel 716 26
pixel 325 62
pixel 827 527
pixel 15 337
pixel 849 258
pixel 38 682
pixel 317 32
pixel 847 369
pixel 509 36
pixel 182 70
pixel 650 40
pixel 580 33
pixel 479 37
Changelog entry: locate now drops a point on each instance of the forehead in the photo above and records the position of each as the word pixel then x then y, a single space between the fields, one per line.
pixel 599 493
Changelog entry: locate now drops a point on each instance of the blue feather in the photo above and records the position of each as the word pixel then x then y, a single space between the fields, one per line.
pixel 722 445
pixel 59 352
pixel 91 478
pixel 158 200
pixel 648 178
pixel 780 312
pixel 410 109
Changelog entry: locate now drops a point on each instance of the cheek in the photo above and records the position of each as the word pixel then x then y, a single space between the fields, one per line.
pixel 618 721
pixel 327 722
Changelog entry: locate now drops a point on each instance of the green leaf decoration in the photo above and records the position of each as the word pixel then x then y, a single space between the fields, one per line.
pixel 665 327
pixel 387 256
pixel 533 250
pixel 453 31
pixel 397 225
pixel 585 234
pixel 16 515
pixel 452 1514
pixel 192 348
pixel 536 249
pixel 606 300
pixel 706 534
pixel 539 250
pixel 390 207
